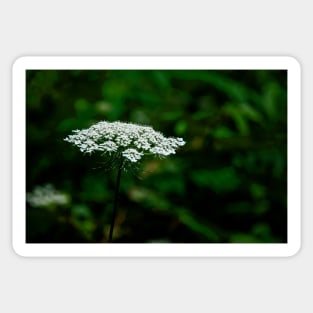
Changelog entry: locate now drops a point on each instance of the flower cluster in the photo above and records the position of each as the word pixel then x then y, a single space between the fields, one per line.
pixel 127 140
pixel 46 196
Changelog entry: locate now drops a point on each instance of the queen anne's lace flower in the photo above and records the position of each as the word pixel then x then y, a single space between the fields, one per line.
pixel 126 140
pixel 46 196
pixel 132 155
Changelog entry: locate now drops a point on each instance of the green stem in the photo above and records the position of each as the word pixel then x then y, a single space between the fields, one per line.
pixel 117 187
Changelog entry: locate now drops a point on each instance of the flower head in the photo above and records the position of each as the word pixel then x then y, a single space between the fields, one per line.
pixel 124 140
pixel 47 196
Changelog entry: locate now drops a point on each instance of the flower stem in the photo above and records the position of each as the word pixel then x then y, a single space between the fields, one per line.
pixel 117 187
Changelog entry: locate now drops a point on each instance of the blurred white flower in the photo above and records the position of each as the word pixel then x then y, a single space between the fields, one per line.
pixel 126 140
pixel 47 196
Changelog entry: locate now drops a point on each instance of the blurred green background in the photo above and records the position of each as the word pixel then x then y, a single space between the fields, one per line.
pixel 228 184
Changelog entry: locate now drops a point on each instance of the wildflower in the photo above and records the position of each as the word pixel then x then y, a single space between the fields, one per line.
pixel 132 155
pixel 124 140
pixel 47 196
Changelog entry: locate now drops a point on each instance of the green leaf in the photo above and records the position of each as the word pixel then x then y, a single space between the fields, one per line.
pixel 81 105
pixel 180 127
pixel 169 184
pixel 251 113
pixel 189 220
pixel 221 132
pixel 239 118
pixel 172 116
pixel 219 180
pixel 257 191
pixel 244 238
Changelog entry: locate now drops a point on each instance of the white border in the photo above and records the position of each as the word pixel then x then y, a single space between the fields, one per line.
pixel 156 250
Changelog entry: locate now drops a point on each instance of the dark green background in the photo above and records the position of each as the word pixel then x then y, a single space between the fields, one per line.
pixel 228 184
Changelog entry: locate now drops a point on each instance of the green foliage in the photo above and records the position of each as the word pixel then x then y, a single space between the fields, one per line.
pixel 227 184
pixel 219 180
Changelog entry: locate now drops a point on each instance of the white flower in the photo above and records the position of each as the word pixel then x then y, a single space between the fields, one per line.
pixel 46 196
pixel 108 146
pixel 132 155
pixel 142 143
pixel 126 140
